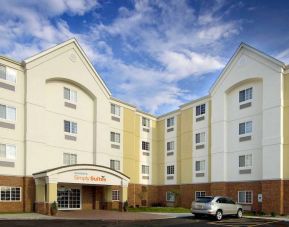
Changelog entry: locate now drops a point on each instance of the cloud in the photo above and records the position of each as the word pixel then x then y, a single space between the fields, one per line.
pixel 283 55
pixel 143 52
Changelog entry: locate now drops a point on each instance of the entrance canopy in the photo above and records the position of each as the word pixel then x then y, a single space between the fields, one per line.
pixel 83 174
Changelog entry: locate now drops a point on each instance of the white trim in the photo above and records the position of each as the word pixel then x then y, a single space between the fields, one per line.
pixel 252 199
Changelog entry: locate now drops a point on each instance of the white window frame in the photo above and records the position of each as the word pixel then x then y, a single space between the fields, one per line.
pixel 170 122
pixel 145 145
pixel 246 202
pixel 170 170
pixel 115 137
pixel 115 109
pixel 15 155
pixel 171 146
pixel 146 122
pixel 199 192
pixel 70 158
pixel 115 195
pixel 200 170
pixel 247 166
pixel 72 124
pixel 145 169
pixel 246 125
pixel 248 92
pixel 115 164
pixel 72 95
pixel 201 113
pixel 170 196
pixel 7 107
pixel 9 73
pixel 10 188
pixel 202 138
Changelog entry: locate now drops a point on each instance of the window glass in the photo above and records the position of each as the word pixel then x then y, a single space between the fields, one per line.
pixel 2 151
pixel 200 165
pixel 11 152
pixel 66 93
pixel 170 146
pixel 245 94
pixel 245 127
pixel 2 72
pixel 2 111
pixel 115 164
pixel 115 109
pixel 73 127
pixel 145 169
pixel 170 122
pixel 10 193
pixel 115 195
pixel 199 194
pixel 201 109
pixel 170 169
pixel 206 199
pixel 145 146
pixel 66 126
pixel 170 197
pixel 11 113
pixel 10 75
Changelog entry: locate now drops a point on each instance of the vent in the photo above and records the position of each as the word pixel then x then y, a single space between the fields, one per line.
pixel 115 118
pixel 200 146
pixel 200 174
pixel 170 129
pixel 246 105
pixel 7 86
pixel 245 138
pixel 68 137
pixel 7 125
pixel 200 118
pixel 70 105
pixel 115 146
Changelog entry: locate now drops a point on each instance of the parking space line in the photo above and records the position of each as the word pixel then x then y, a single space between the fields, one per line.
pixel 249 223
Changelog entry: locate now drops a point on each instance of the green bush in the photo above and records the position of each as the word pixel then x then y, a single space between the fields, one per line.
pixel 273 214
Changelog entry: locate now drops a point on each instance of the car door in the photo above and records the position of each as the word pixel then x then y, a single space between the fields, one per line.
pixel 223 205
pixel 232 208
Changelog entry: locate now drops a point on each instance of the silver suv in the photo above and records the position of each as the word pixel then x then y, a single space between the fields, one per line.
pixel 216 206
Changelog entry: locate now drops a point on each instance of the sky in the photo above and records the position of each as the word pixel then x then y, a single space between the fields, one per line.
pixel 156 54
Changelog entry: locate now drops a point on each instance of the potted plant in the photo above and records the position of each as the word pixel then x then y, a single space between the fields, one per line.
pixel 125 206
pixel 54 208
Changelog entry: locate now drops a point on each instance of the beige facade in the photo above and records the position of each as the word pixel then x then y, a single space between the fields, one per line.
pixel 61 127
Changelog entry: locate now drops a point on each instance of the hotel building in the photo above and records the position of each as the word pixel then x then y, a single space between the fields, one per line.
pixel 64 138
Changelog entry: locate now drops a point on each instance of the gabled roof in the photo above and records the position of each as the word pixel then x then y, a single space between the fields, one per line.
pixel 74 41
pixel 251 49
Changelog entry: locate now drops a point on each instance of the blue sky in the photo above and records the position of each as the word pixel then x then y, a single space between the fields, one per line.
pixel 156 55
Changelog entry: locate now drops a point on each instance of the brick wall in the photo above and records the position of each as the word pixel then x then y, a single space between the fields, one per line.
pixel 27 194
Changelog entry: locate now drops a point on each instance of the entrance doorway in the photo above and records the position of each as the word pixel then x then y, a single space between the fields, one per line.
pixel 69 198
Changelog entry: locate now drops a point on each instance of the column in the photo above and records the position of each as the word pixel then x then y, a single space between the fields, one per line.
pixel 51 193
pixel 40 206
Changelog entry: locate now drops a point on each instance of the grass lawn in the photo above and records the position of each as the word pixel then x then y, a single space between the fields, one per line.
pixel 160 209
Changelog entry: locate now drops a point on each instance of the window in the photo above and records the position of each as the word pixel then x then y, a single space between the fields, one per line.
pixel 200 137
pixel 115 164
pixel 170 197
pixel 201 109
pixel 7 74
pixel 115 109
pixel 245 197
pixel 200 165
pixel 170 169
pixel 70 127
pixel 145 169
pixel 245 127
pixel 115 195
pixel 69 159
pixel 199 194
pixel 7 113
pixel 114 137
pixel 10 193
pixel 70 95
pixel 145 122
pixel 8 151
pixel 170 146
pixel 170 122
pixel 245 95
pixel 145 146
pixel 245 161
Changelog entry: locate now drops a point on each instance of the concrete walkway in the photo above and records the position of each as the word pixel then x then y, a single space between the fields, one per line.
pixel 87 215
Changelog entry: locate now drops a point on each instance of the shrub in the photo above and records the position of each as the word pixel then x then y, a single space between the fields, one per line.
pixel 273 214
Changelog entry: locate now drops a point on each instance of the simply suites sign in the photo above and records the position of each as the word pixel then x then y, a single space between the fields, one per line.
pixel 89 177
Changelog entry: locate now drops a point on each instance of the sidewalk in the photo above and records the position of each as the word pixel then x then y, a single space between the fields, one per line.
pixel 24 216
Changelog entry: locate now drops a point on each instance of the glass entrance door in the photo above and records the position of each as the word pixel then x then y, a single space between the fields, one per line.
pixel 68 198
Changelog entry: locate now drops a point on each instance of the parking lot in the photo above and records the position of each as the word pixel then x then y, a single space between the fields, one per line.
pixel 185 221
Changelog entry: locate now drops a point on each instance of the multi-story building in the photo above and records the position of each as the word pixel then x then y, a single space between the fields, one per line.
pixel 64 138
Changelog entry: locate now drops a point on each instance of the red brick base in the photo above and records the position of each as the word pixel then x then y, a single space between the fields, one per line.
pixel 275 195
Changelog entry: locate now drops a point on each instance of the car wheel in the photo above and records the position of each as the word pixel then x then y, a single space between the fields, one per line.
pixel 219 215
pixel 197 215
pixel 240 213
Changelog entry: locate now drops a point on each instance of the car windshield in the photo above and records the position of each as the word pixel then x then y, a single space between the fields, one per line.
pixel 204 199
